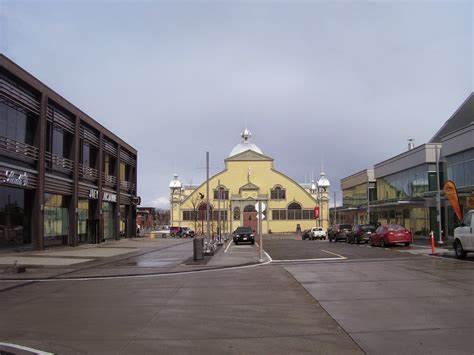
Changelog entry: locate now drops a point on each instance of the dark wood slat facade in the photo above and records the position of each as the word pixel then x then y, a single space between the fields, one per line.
pixel 52 162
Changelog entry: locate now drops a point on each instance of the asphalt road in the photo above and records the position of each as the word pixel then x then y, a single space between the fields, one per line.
pixel 351 299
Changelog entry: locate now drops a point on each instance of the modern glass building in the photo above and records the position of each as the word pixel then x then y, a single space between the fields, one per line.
pixel 405 186
pixel 64 178
pixel 358 194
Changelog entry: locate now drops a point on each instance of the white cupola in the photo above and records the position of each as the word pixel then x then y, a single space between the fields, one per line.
pixel 245 144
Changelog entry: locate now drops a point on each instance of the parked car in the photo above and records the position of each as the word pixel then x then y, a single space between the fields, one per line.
pixel 318 233
pixel 176 232
pixel 185 232
pixel 464 236
pixel 361 233
pixel 306 234
pixel 390 234
pixel 339 232
pixel 243 234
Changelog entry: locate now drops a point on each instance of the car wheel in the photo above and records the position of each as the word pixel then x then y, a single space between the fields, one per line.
pixel 382 243
pixel 459 250
pixel 236 243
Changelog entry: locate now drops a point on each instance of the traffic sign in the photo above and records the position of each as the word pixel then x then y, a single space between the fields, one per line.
pixel 264 206
pixel 260 215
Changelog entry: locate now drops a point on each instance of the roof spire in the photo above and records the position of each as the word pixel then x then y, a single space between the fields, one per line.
pixel 246 134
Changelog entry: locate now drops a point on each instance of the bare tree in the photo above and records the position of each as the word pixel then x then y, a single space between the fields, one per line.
pixel 195 202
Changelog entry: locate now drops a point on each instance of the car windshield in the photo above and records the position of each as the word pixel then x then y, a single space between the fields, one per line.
pixel 395 227
pixel 368 228
pixel 345 226
pixel 243 230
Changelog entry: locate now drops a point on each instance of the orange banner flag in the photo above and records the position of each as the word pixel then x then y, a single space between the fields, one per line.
pixel 452 195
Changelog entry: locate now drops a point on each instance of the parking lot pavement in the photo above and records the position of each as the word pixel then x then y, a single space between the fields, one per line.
pixel 231 254
pixel 252 311
pixel 394 302
pixel 293 249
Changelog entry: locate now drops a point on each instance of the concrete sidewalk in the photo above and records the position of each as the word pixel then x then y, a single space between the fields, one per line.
pixel 93 259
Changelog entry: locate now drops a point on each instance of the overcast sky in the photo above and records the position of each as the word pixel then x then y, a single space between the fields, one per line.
pixel 341 82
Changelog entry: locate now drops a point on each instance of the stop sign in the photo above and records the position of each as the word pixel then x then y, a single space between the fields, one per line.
pixel 316 212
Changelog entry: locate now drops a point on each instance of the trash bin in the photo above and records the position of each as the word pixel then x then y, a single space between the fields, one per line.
pixel 198 248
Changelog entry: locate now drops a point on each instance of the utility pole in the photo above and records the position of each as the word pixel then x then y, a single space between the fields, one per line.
pixel 260 215
pixel 208 208
pixel 438 195
pixel 335 211
pixel 368 201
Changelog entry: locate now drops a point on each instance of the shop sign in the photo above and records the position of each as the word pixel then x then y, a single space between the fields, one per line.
pixel 15 178
pixel 108 196
pixel 93 193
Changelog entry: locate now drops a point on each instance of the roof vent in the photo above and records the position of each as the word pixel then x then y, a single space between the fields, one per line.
pixel 411 143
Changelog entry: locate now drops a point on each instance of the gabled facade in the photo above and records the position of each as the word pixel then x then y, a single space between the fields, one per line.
pixel 249 177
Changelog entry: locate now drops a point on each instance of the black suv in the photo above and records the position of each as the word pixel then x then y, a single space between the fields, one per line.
pixel 339 232
pixel 243 234
pixel 361 233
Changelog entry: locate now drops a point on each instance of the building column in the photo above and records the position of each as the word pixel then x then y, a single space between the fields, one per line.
pixel 135 193
pixel 75 190
pixel 38 206
pixel 98 216
pixel 117 190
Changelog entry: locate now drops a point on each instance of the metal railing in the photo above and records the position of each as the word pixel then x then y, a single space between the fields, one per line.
pixel 18 149
pixel 109 180
pixel 88 173
pixel 59 163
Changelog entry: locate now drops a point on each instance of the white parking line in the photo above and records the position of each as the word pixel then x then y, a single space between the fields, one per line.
pixel 10 346
pixel 338 255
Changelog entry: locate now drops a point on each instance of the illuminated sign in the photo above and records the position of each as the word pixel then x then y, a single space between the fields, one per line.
pixel 93 193
pixel 15 178
pixel 108 196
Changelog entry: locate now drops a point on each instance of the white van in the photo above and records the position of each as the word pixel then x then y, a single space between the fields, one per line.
pixel 464 236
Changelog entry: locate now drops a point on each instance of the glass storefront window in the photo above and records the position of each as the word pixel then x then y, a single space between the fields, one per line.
pixel 409 183
pixel 108 216
pixel 123 220
pixel 355 196
pixel 15 216
pixel 82 218
pixel 460 168
pixel 17 124
pixel 56 219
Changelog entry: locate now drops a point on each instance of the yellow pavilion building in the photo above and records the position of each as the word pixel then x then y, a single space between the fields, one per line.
pixel 249 177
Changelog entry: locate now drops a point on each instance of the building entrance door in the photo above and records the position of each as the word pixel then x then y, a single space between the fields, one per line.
pixel 250 217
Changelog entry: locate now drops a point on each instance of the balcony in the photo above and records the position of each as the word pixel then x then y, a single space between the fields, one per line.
pixel 127 186
pixel 18 150
pixel 88 173
pixel 109 180
pixel 58 163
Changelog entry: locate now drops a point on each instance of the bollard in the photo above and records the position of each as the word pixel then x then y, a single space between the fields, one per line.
pixel 198 248
pixel 433 246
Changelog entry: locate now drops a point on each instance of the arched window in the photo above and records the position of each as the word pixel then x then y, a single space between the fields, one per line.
pixel 249 208
pixel 236 214
pixel 202 211
pixel 278 193
pixel 294 210
pixel 221 193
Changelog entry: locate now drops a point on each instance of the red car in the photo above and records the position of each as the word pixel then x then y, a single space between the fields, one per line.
pixel 390 234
